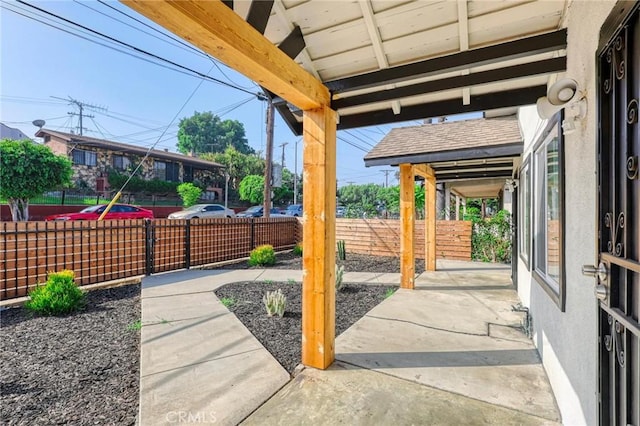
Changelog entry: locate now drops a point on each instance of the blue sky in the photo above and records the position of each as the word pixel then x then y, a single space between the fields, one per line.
pixel 139 99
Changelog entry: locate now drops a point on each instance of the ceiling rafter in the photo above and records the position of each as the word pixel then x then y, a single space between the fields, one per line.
pixel 463 33
pixel 528 69
pixel 281 12
pixel 482 102
pixel 376 43
pixel 259 12
pixel 520 48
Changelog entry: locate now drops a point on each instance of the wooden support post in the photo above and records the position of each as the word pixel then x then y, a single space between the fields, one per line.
pixel 407 225
pixel 447 203
pixel 430 223
pixel 457 207
pixel 319 238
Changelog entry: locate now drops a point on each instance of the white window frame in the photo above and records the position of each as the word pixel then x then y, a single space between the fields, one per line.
pixel 524 213
pixel 554 286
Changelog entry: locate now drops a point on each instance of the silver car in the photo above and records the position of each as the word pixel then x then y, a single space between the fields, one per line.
pixel 203 211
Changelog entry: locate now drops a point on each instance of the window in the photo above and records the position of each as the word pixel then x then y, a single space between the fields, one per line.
pixel 548 196
pixel 524 212
pixel 214 208
pixel 166 171
pixel 84 158
pixel 120 162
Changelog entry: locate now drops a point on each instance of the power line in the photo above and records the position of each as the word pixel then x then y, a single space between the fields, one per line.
pixel 139 50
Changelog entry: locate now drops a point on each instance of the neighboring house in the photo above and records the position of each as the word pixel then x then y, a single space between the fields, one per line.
pixel 7 132
pixel 93 159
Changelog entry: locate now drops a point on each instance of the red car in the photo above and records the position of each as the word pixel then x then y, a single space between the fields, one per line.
pixel 118 211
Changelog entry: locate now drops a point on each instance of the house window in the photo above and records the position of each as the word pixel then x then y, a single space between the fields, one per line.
pixel 84 158
pixel 166 171
pixel 524 219
pixel 120 162
pixel 548 196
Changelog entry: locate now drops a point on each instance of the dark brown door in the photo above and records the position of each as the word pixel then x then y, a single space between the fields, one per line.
pixel 618 286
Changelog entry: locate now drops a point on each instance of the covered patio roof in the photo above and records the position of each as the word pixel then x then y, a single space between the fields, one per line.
pixel 473 156
pixel 338 65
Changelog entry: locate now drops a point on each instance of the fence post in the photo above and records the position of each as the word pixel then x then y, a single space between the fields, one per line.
pixel 63 194
pixel 187 243
pixel 148 246
pixel 252 241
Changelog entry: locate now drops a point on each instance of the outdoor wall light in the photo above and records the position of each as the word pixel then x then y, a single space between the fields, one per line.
pixel 563 94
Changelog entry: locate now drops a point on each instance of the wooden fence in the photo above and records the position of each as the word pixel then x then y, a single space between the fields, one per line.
pixel 382 237
pixel 109 250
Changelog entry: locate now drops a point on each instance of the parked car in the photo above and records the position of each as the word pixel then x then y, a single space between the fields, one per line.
pixel 117 211
pixel 341 211
pixel 203 210
pixel 294 210
pixel 256 211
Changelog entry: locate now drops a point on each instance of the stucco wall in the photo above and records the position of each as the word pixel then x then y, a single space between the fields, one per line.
pixel 567 341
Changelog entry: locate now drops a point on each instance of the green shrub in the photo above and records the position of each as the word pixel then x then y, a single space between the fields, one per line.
pixel 189 193
pixel 491 238
pixel 275 302
pixel 297 250
pixel 262 256
pixel 60 295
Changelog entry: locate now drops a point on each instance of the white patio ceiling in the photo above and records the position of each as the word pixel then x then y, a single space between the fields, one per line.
pixel 346 44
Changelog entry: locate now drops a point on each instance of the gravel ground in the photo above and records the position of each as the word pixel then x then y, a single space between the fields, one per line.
pixel 283 336
pixel 353 263
pixel 80 369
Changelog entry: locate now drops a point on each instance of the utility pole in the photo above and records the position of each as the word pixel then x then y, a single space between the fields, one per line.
pixel 386 177
pixel 295 176
pixel 80 113
pixel 268 160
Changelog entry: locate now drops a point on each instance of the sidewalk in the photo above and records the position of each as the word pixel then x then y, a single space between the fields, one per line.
pixel 445 353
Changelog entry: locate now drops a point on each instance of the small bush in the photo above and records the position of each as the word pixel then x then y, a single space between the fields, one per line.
pixel 60 295
pixel 297 250
pixel 275 303
pixel 189 193
pixel 262 255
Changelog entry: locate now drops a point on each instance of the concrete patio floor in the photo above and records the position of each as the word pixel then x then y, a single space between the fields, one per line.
pixel 446 353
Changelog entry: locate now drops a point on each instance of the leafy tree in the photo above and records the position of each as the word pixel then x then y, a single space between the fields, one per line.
pixel 252 189
pixel 28 169
pixel 189 193
pixel 206 132
pixel 374 200
pixel 238 165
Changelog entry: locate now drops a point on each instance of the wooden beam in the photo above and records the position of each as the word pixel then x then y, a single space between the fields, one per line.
pixel 495 53
pixel 546 66
pixel 424 170
pixel 319 238
pixel 217 30
pixel 407 225
pixel 480 102
pixel 430 224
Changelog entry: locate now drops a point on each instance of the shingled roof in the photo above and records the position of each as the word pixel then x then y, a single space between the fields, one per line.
pixel 132 149
pixel 449 141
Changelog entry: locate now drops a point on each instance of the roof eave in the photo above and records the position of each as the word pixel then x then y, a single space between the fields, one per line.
pixel 496 151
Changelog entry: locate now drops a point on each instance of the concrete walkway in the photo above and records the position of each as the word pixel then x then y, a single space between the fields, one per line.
pixel 445 353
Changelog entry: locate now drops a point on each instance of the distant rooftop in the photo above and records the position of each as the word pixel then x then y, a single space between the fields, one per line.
pixel 127 148
pixel 449 141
